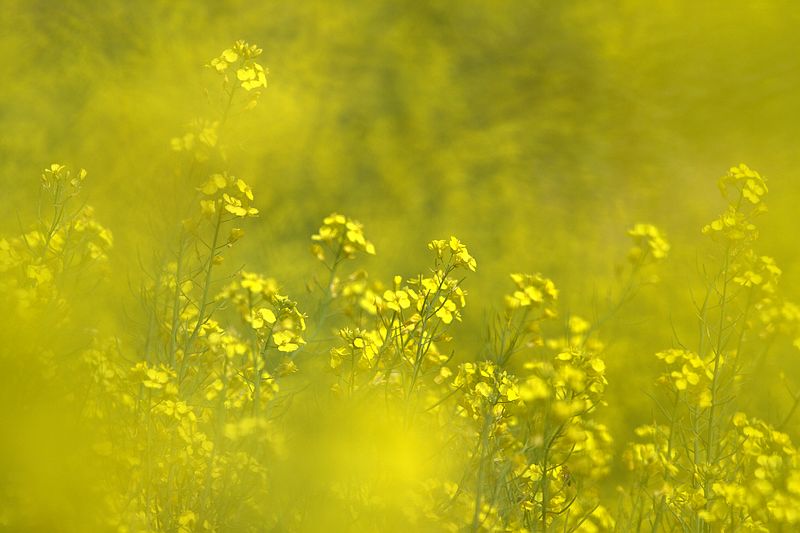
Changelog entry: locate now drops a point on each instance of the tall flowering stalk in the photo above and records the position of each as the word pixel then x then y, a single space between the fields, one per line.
pixel 710 467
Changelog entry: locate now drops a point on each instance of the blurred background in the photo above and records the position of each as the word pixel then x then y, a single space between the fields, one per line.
pixel 537 132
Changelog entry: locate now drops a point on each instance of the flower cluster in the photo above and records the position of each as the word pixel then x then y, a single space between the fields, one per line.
pixel 686 372
pixel 241 58
pixel 65 244
pixel 743 183
pixel 58 176
pixel 775 315
pixel 359 345
pixel 536 422
pixel 341 238
pixel 535 291
pixel 755 483
pixel 745 189
pixel 396 330
pixel 452 253
pixel 754 271
pixel 439 294
pixel 485 387
pixel 271 315
pixel 762 485
pixel 360 294
pixel 733 226
pixel 227 193
pixel 648 243
pixel 201 139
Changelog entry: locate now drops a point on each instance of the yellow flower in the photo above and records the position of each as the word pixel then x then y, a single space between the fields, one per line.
pixel 749 183
pixel 287 340
pixel 241 58
pixel 454 253
pixel 648 241
pixel 533 290
pixel 228 192
pixel 61 175
pixel 340 237
pixel 484 389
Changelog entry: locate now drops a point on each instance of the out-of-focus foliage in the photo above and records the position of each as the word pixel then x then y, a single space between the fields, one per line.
pixel 139 335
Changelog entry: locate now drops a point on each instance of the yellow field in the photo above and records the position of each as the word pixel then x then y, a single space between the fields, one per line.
pixel 399 266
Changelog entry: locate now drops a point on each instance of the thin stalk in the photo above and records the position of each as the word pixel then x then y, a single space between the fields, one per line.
pixel 717 356
pixel 484 443
pixel 667 476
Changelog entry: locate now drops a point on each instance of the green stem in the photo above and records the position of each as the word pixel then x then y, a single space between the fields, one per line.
pixel 201 318
pixel 484 443
pixel 173 338
pixel 667 476
pixel 717 357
